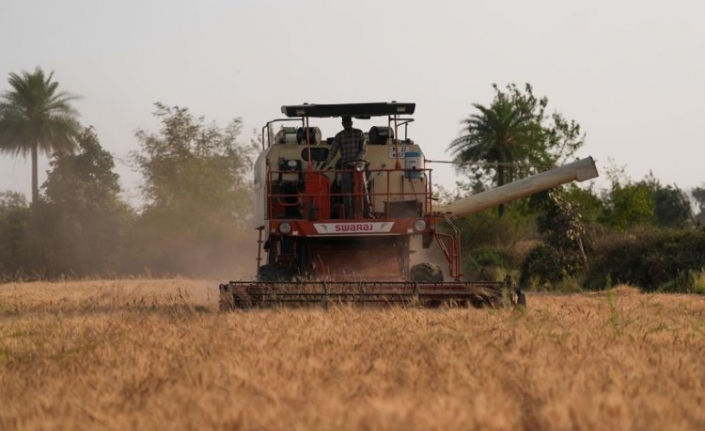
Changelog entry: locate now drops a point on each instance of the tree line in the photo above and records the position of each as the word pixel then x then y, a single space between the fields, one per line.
pixel 563 235
pixel 196 192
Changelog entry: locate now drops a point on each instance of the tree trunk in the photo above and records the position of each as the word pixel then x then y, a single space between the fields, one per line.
pixel 500 182
pixel 35 174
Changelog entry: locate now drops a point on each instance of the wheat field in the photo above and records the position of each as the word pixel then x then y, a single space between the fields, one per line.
pixel 156 354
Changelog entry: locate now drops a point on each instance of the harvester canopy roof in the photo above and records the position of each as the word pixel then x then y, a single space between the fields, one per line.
pixel 357 110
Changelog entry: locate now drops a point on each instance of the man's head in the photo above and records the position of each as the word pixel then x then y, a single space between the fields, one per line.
pixel 347 123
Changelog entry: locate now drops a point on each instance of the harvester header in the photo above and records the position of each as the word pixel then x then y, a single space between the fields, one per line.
pixel 339 228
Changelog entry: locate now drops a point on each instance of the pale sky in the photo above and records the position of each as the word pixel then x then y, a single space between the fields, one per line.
pixel 632 73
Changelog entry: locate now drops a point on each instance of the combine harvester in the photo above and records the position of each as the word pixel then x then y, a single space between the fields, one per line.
pixel 311 251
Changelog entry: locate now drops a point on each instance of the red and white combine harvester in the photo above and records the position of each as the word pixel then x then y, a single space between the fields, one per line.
pixel 321 241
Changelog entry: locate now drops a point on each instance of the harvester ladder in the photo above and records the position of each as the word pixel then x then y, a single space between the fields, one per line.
pixel 450 246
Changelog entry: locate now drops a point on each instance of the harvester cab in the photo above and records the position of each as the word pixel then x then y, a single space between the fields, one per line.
pixel 342 232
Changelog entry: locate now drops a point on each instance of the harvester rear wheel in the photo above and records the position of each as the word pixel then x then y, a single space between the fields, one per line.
pixel 426 273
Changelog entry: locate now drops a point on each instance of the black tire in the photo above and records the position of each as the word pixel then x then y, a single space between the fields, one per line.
pixel 426 273
pixel 273 273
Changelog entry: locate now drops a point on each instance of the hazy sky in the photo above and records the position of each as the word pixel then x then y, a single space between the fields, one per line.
pixel 632 73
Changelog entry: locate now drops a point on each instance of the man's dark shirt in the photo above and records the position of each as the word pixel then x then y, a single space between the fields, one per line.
pixel 350 143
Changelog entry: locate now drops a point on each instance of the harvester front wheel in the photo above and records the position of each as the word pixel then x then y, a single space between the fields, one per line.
pixel 426 273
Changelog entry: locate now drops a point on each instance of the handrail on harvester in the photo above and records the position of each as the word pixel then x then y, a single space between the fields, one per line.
pixel 423 194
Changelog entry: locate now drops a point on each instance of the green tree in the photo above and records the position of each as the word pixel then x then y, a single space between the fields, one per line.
pixel 629 205
pixel 645 203
pixel 14 227
pixel 83 219
pixel 197 190
pixel 35 116
pixel 10 199
pixel 86 178
pixel 564 251
pixel 588 200
pixel 672 207
pixel 513 134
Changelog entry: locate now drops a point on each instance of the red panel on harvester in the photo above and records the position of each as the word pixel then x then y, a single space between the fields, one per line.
pixel 316 192
pixel 358 258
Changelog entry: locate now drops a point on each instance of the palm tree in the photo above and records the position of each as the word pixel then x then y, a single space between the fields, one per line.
pixel 34 117
pixel 499 135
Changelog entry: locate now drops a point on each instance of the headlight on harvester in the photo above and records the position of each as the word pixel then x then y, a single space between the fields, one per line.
pixel 285 228
pixel 420 225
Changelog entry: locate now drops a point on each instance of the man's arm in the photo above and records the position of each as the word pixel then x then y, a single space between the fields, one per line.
pixel 333 150
pixel 363 147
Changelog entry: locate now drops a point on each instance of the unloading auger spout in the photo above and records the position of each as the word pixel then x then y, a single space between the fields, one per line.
pixel 580 170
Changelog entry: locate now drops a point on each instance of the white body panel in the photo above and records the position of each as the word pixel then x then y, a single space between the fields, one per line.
pixel 401 186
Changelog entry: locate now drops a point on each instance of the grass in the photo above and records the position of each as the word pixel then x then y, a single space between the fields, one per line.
pixel 156 354
pixel 699 282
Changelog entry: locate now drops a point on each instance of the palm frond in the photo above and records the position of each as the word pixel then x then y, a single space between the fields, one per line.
pixel 36 115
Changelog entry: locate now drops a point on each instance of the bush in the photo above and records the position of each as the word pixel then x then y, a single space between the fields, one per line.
pixel 488 263
pixel 657 260
pixel 485 229
pixel 543 266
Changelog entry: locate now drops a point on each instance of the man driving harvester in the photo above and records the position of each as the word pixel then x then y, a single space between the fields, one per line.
pixel 351 144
